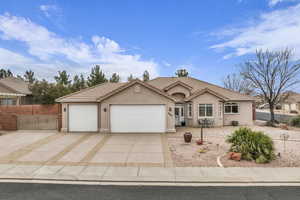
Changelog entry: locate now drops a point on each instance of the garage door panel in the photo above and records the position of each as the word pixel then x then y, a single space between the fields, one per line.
pixel 83 118
pixel 137 118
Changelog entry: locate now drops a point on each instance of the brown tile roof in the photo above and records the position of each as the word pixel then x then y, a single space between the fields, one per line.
pixel 102 90
pixel 197 85
pixel 16 85
pixel 177 83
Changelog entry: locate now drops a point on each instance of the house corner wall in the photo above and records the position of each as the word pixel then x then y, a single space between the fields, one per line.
pixel 64 112
pixel 244 117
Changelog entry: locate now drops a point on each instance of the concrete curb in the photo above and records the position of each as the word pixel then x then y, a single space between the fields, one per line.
pixel 153 183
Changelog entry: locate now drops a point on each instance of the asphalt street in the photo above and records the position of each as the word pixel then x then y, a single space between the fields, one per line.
pixel 26 191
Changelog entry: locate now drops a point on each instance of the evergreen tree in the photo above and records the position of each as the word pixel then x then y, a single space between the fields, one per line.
pixel 115 78
pixel 5 73
pixel 62 78
pixel 29 76
pixel 130 78
pixel 78 83
pixel 182 73
pixel 44 92
pixel 96 76
pixel 146 76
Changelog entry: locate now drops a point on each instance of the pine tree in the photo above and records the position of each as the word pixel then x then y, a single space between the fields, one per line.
pixel 146 76
pixel 96 76
pixel 29 76
pixel 182 73
pixel 130 78
pixel 62 78
pixel 115 78
pixel 78 83
pixel 5 73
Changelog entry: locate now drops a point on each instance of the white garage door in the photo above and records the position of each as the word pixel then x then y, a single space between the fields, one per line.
pixel 83 117
pixel 138 118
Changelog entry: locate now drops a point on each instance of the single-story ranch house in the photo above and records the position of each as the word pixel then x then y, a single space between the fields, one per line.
pixel 158 105
pixel 14 91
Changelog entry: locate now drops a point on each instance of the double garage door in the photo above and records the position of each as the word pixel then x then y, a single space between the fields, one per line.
pixel 123 118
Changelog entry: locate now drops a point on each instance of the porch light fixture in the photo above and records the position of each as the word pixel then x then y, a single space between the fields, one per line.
pixel 170 109
pixel 104 109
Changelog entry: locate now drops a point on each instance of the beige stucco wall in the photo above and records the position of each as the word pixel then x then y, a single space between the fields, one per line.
pixel 64 124
pixel 140 95
pixel 206 98
pixel 290 106
pixel 245 116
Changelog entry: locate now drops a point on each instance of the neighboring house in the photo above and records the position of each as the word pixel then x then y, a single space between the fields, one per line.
pixel 14 91
pixel 158 105
pixel 291 102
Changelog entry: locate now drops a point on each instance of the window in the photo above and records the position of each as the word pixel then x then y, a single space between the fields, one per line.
pixel 205 110
pixel 231 108
pixel 7 101
pixel 189 110
pixel 220 109
pixel 182 113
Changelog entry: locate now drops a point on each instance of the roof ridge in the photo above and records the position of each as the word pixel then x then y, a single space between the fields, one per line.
pixel 129 84
pixel 206 89
pixel 85 89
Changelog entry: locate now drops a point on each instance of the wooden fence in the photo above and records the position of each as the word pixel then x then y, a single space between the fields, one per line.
pixel 35 117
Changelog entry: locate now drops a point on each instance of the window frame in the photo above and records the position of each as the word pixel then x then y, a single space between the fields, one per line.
pixel 190 110
pixel 231 105
pixel 210 104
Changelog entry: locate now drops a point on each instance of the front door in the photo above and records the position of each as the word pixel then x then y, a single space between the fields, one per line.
pixel 179 115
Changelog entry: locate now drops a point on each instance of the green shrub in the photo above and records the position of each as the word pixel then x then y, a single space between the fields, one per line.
pixel 253 145
pixel 295 121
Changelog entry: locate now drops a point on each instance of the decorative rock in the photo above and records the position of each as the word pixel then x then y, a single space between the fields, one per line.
pixel 229 155
pixel 199 142
pixel 236 156
pixel 284 127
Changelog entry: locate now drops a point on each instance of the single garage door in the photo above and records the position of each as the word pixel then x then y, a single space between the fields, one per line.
pixel 83 118
pixel 138 118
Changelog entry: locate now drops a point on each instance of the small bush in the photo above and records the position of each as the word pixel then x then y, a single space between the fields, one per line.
pixel 295 121
pixel 252 145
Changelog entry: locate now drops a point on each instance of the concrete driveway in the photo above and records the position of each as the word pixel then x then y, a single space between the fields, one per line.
pixel 51 148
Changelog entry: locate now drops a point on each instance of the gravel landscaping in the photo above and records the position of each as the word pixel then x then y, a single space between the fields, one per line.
pixel 206 155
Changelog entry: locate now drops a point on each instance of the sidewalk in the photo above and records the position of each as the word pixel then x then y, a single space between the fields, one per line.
pixel 150 174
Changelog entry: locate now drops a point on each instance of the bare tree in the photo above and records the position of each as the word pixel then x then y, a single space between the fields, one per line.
pixel 272 74
pixel 237 83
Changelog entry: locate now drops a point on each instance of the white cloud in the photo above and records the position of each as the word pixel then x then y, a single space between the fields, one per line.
pixel 274 30
pixel 50 48
pixel 11 58
pixel 275 2
pixel 165 63
pixel 50 10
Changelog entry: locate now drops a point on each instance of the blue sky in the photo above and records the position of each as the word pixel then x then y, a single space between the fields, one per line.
pixel 209 38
